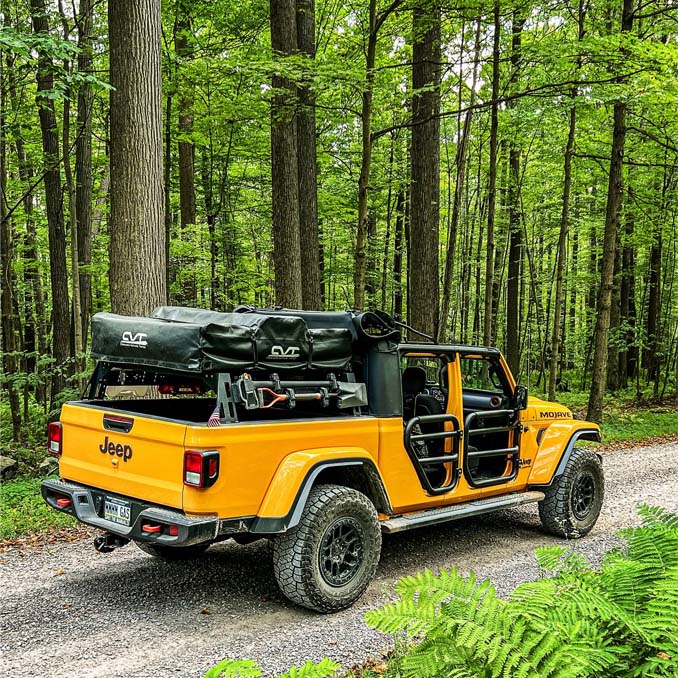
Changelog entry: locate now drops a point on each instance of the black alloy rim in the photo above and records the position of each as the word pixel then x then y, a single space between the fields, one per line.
pixel 583 495
pixel 341 552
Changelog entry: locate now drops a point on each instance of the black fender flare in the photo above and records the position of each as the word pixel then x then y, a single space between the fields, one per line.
pixel 582 434
pixel 266 525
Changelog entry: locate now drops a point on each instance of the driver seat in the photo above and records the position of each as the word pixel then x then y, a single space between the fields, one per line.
pixel 416 403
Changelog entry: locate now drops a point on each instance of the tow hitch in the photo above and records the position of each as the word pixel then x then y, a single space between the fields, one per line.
pixel 106 543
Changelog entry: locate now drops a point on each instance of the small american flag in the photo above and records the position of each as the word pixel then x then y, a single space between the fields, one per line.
pixel 215 417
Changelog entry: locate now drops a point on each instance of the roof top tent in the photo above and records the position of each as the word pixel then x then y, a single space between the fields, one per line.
pixel 251 356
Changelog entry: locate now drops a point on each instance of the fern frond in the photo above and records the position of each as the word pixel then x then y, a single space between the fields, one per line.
pixel 323 669
pixel 656 515
pixel 234 668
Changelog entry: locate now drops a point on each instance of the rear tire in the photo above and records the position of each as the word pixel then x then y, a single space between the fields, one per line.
pixel 573 502
pixel 327 561
pixel 173 553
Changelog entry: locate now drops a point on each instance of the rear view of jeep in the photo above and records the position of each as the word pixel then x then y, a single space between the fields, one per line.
pixel 319 431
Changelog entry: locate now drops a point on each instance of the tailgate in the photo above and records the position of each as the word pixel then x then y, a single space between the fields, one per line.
pixel 123 453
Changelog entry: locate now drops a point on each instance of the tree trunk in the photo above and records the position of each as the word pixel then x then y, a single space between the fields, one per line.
pixel 398 240
pixel 366 155
pixel 562 250
pixel 307 164
pixel 83 165
pixel 284 164
pixel 489 320
pixel 54 203
pixel 423 297
pixel 186 149
pixel 10 363
pixel 460 163
pixel 513 306
pixel 627 316
pixel 137 230
pixel 614 196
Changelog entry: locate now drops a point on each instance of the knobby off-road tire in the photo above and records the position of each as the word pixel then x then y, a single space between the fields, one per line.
pixel 173 553
pixel 327 561
pixel 573 502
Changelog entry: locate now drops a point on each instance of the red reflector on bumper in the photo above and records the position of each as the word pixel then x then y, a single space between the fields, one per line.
pixel 173 530
pixel 64 502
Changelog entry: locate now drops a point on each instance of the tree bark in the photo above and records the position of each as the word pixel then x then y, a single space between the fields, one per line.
pixel 612 212
pixel 284 163
pixel 513 306
pixel 61 325
pixel 556 337
pixel 10 362
pixel 423 297
pixel 460 163
pixel 398 241
pixel 137 231
pixel 489 320
pixel 308 164
pixel 83 165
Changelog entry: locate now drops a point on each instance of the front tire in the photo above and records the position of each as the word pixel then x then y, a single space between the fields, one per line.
pixel 573 502
pixel 173 553
pixel 327 561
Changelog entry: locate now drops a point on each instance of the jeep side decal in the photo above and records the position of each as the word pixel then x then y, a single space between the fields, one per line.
pixel 280 353
pixel 137 340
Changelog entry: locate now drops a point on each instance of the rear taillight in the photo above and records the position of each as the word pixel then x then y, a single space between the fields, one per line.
pixel 54 438
pixel 201 468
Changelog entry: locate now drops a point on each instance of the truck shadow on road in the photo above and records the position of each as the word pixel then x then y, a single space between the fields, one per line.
pixel 239 580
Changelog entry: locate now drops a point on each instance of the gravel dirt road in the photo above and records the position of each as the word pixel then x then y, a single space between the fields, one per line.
pixel 67 611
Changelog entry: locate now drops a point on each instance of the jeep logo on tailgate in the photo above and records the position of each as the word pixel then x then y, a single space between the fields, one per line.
pixel 116 449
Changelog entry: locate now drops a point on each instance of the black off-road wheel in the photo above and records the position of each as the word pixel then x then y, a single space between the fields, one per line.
pixel 573 502
pixel 327 561
pixel 173 553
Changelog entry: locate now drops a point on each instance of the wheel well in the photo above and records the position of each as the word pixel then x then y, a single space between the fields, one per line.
pixel 363 478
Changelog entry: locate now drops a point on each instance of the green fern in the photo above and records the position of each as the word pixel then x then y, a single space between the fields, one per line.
pixel 234 668
pixel 619 622
pixel 237 668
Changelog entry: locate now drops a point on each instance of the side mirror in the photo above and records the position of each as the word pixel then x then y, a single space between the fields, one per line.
pixel 520 397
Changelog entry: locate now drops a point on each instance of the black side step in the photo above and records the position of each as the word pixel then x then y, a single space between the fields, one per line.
pixel 458 511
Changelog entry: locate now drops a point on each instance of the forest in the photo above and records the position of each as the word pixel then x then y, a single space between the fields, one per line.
pixel 501 172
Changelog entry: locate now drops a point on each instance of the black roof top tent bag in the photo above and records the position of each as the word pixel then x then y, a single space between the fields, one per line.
pixel 197 340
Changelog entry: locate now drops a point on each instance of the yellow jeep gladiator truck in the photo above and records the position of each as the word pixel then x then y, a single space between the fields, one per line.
pixel 320 431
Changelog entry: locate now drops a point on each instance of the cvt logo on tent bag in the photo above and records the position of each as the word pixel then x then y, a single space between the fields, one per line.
pixel 137 340
pixel 280 353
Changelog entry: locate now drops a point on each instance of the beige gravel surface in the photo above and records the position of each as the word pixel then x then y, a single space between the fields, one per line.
pixel 67 611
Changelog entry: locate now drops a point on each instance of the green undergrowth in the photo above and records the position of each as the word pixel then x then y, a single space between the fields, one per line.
pixel 22 510
pixel 619 620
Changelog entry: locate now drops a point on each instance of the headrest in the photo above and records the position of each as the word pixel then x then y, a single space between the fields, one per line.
pixel 414 380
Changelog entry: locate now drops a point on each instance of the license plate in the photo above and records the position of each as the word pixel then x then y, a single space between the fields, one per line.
pixel 117 510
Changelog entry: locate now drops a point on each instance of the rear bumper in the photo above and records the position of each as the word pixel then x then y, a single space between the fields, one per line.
pixel 86 504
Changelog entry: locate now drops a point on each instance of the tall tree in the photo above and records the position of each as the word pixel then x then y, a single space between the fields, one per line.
pixel 308 164
pixel 137 231
pixel 187 208
pixel 423 297
pixel 284 162
pixel 612 214
pixel 7 280
pixel 459 187
pixel 489 319
pixel 556 335
pixel 61 325
pixel 83 163
pixel 515 250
